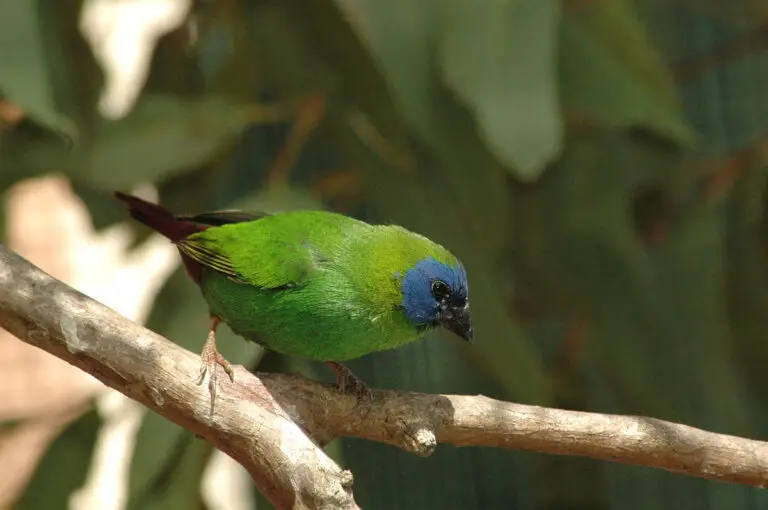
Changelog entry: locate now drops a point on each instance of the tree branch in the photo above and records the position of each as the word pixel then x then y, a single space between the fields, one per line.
pixel 266 422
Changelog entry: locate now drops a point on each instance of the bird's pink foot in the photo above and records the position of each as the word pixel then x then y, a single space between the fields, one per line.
pixel 211 358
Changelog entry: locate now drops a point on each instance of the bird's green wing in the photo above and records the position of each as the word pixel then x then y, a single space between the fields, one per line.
pixel 274 252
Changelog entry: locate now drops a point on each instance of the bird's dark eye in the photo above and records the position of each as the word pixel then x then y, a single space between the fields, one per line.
pixel 440 290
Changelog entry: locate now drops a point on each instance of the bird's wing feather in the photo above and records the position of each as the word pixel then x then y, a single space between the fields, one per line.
pixel 275 252
pixel 211 258
pixel 207 256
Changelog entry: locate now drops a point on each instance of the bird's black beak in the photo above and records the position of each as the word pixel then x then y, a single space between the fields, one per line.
pixel 457 320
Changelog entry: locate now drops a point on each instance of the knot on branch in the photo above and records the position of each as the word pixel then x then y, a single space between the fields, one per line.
pixel 409 426
pixel 415 438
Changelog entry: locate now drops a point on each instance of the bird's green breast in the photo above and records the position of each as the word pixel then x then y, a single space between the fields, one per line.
pixel 321 320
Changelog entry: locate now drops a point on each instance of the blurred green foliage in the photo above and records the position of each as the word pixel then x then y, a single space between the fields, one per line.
pixel 598 165
pixel 52 484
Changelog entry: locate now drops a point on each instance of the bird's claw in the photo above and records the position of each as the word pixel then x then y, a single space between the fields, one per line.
pixel 353 386
pixel 211 358
pixel 357 388
pixel 203 372
pixel 349 384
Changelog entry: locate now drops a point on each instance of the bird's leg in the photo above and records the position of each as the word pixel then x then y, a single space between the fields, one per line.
pixel 348 383
pixel 212 357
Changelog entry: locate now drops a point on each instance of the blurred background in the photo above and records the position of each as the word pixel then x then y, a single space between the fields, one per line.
pixel 601 166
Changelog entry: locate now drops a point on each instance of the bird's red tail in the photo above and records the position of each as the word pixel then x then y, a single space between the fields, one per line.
pixel 159 218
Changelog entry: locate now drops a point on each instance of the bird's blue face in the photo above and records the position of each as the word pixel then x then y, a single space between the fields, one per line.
pixel 436 294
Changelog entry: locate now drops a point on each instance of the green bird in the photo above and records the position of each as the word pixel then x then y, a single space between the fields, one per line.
pixel 314 284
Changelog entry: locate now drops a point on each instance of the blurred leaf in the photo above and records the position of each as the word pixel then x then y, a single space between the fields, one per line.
pixel 748 276
pixel 177 485
pixel 649 312
pixel 175 68
pixel 77 77
pixel 105 210
pixel 596 264
pixel 55 78
pixel 329 32
pixel 27 150
pixel 160 137
pixel 64 467
pixel 696 315
pixel 481 72
pixel 405 55
pixel 611 74
pixel 279 199
pixel 25 78
pixel 290 49
pixel 500 58
pixel 287 50
pixel 576 252
pixel 10 425
pixel 193 191
pixel 159 443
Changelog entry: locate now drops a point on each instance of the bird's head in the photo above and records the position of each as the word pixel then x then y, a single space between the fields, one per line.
pixel 436 294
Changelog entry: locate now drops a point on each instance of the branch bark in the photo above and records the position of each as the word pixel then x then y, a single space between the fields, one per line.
pixel 273 423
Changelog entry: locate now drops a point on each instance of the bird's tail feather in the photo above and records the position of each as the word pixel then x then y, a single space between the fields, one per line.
pixel 158 218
